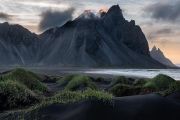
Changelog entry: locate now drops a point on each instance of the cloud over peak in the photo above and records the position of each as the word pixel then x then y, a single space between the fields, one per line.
pixel 5 16
pixel 54 18
pixel 164 11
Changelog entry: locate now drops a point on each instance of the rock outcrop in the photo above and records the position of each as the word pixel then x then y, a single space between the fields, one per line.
pixel 158 55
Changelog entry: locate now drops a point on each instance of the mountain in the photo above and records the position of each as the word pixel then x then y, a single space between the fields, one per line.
pixel 101 40
pixel 158 55
pixel 18 46
pixel 178 65
pixel 109 40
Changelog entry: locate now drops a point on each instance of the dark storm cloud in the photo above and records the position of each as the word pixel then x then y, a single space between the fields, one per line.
pixel 164 11
pixel 5 16
pixel 53 18
pixel 164 31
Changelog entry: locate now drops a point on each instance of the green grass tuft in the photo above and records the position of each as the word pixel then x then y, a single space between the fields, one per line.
pixel 14 94
pixel 28 80
pixel 38 76
pixel 100 79
pixel 140 81
pixel 160 82
pixel 120 79
pixel 174 87
pixel 75 96
pixel 44 78
pixel 79 80
pixel 120 90
pixel 66 78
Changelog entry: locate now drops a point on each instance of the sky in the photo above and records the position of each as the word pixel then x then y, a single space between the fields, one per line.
pixel 158 19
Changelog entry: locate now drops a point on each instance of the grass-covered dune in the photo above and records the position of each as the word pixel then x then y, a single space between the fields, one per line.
pixel 78 82
pixel 27 79
pixel 120 79
pixel 19 88
pixel 82 95
pixel 160 82
pixel 15 94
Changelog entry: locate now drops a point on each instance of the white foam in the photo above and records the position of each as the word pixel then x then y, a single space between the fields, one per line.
pixel 146 73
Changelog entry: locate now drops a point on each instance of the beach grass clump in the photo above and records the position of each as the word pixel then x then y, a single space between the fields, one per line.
pixel 160 82
pixel 174 87
pixel 120 79
pixel 66 78
pixel 39 76
pixel 54 79
pixel 140 81
pixel 100 79
pixel 65 96
pixel 45 78
pixel 28 80
pixel 14 94
pixel 81 80
pixel 75 96
pixel 120 90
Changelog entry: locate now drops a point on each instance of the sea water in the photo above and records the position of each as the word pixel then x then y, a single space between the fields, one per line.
pixel 145 73
pixel 134 73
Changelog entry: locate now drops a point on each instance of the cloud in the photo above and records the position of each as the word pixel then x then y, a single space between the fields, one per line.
pixel 158 33
pixel 148 24
pixel 164 11
pixel 53 18
pixel 151 36
pixel 164 31
pixel 5 16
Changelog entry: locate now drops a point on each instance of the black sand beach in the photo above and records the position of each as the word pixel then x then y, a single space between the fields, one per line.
pixel 148 106
pixel 142 107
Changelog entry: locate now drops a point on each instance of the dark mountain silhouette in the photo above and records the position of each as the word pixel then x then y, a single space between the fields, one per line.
pixel 158 55
pixel 106 39
pixel 18 46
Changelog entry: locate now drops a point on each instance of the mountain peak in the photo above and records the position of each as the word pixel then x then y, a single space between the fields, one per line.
pixel 158 55
pixel 5 23
pixel 115 9
pixel 102 13
pixel 88 14
pixel 154 48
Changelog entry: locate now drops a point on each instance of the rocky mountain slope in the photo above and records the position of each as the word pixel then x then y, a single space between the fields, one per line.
pixel 18 46
pixel 109 40
pixel 106 39
pixel 158 55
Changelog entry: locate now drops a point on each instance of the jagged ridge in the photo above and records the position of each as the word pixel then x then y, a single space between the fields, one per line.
pixel 109 40
pixel 158 55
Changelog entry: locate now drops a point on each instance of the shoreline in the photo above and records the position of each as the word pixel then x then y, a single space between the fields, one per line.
pixel 105 73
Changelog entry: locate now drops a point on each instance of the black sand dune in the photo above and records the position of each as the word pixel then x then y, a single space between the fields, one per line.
pixel 175 96
pixel 56 87
pixel 142 107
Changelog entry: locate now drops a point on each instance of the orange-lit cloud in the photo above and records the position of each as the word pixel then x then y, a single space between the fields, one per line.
pixel 87 11
pixel 103 10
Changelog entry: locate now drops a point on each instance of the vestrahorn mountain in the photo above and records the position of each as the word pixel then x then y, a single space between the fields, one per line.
pixel 105 39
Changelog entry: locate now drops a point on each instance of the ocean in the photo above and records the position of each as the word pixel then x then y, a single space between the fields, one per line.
pixel 134 73
pixel 144 73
